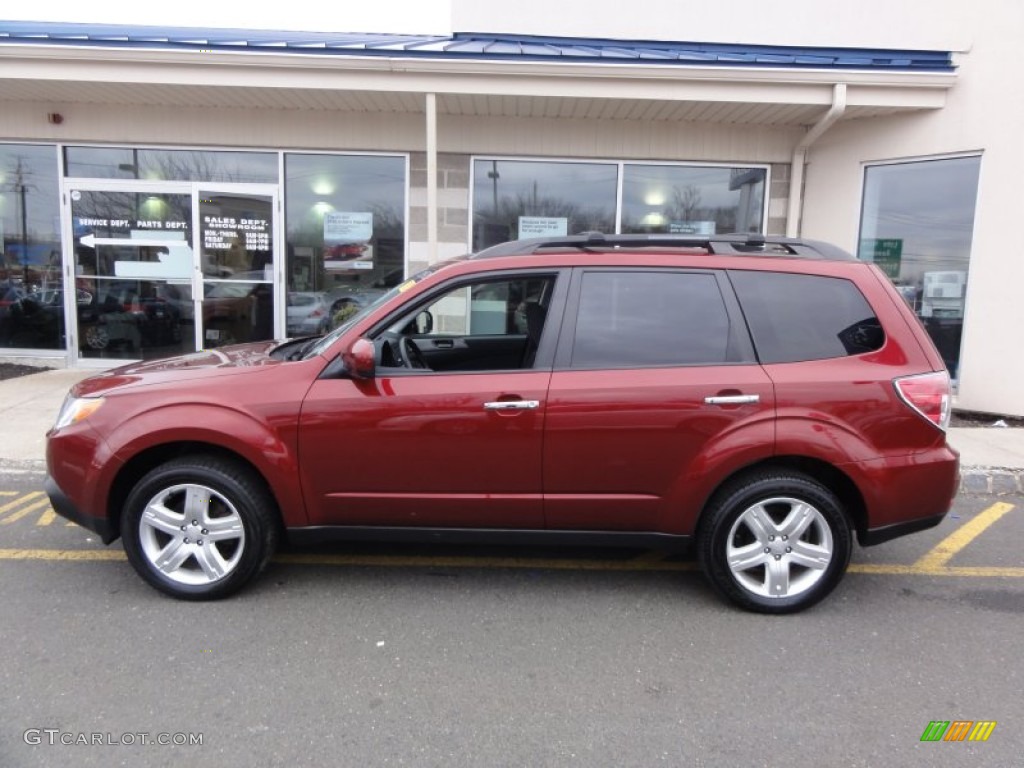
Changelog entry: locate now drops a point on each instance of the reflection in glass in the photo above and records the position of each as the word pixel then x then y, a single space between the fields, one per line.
pixel 700 200
pixel 171 164
pixel 30 256
pixel 133 269
pixel 916 225
pixel 236 241
pixel 521 198
pixel 345 224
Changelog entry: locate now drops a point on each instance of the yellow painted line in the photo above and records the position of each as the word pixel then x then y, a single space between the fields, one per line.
pixel 24 511
pixel 62 554
pixel 19 501
pixel 47 517
pixel 980 571
pixel 945 550
pixel 8 493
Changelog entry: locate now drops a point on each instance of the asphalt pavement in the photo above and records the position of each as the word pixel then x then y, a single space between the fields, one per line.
pixel 991 457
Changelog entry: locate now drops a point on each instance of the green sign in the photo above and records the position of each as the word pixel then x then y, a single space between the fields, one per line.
pixel 887 254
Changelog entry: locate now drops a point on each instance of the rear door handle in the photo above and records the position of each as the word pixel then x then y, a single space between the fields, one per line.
pixel 511 405
pixel 731 399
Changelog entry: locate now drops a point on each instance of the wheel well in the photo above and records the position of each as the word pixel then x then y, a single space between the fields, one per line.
pixel 139 465
pixel 836 481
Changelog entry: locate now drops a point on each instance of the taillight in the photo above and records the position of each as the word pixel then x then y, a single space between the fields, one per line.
pixel 928 394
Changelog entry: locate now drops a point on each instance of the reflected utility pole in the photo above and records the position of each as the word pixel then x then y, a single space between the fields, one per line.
pixel 20 187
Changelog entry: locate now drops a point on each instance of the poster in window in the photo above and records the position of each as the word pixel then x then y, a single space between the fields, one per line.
pixel 347 236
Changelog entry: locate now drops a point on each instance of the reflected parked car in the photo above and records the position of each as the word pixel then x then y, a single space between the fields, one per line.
pixel 358 294
pixel 236 312
pixel 308 314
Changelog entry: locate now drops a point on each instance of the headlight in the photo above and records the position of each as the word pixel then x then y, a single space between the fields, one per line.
pixel 75 409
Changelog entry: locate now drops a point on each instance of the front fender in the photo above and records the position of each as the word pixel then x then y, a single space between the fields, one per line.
pixel 270 448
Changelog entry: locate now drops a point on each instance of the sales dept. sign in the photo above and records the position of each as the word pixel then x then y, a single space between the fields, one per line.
pixel 348 227
pixel 886 253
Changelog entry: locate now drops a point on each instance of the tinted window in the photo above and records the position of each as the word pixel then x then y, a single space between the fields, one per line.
pixel 806 317
pixel 650 318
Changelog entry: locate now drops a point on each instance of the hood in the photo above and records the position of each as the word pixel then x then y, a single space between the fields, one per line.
pixel 236 357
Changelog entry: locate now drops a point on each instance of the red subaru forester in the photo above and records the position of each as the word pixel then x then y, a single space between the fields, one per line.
pixel 763 400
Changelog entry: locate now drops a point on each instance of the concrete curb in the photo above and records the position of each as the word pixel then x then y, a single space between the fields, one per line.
pixel 991 481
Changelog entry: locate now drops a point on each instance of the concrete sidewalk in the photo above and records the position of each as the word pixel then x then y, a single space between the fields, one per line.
pixel 992 458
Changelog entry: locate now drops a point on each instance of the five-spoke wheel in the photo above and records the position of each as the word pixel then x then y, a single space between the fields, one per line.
pixel 776 542
pixel 199 528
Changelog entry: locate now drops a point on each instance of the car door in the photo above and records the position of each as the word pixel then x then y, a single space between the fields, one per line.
pixel 457 447
pixel 654 373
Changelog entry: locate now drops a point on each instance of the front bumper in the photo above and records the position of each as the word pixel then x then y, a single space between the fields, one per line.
pixel 64 507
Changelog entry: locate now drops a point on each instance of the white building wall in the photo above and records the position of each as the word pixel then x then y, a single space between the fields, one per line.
pixel 983 114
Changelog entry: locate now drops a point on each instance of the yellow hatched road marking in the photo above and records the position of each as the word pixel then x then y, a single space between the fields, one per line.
pixel 946 549
pixel 8 493
pixel 47 517
pixel 24 511
pixel 19 501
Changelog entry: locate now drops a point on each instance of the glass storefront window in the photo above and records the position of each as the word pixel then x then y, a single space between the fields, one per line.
pixel 345 225
pixel 171 165
pixel 30 256
pixel 699 200
pixel 917 222
pixel 515 199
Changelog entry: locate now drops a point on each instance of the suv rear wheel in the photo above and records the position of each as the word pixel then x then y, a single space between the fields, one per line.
pixel 199 528
pixel 777 542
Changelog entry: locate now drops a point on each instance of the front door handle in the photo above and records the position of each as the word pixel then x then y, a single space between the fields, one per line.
pixel 511 405
pixel 731 399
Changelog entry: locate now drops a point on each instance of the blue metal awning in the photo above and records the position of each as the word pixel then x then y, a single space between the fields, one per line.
pixel 473 46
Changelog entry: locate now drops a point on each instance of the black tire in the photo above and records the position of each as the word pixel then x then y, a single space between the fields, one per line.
pixel 209 497
pixel 773 576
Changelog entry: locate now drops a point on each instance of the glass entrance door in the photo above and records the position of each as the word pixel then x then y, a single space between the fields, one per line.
pixel 133 272
pixel 164 269
pixel 235 247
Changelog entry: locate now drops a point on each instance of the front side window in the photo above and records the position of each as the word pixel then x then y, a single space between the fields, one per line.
pixel 490 324
pixel 916 224
pixel 655 318
pixel 806 317
pixel 692 200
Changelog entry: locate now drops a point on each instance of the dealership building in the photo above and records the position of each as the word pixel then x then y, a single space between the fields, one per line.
pixel 164 190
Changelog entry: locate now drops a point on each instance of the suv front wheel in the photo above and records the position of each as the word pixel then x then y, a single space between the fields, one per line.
pixel 777 542
pixel 199 528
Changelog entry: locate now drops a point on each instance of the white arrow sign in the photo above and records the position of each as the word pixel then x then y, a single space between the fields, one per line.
pixel 91 241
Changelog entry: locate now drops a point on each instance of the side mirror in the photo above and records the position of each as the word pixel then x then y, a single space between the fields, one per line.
pixel 360 359
pixel 424 322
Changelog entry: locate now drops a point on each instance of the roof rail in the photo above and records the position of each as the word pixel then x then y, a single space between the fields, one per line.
pixel 752 243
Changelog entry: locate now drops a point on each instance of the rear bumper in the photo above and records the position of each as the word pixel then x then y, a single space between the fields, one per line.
pixel 64 507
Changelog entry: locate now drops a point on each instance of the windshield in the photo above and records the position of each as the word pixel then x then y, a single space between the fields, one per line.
pixel 325 341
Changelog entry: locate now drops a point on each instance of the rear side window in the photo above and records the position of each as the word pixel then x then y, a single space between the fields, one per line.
pixel 632 319
pixel 806 317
